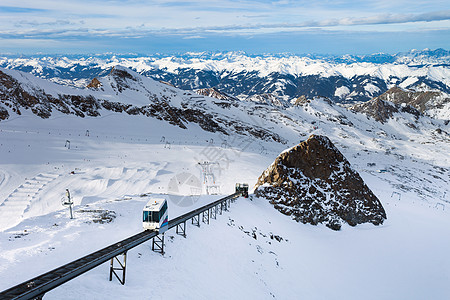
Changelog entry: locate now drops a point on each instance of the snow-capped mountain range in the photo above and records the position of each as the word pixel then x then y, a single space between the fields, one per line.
pixel 125 91
pixel 343 79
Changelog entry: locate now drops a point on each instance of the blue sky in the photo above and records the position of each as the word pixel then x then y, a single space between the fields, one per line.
pixel 254 26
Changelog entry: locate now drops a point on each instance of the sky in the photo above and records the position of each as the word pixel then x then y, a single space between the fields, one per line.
pixel 253 26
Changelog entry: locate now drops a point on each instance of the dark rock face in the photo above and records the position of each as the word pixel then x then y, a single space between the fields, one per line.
pixel 378 109
pixel 382 110
pixel 314 183
pixel 300 101
pixel 122 78
pixel 422 101
pixel 17 97
pixel 3 113
pixel 94 84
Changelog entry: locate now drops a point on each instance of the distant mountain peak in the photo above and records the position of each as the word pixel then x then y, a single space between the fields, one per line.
pixel 348 78
pixel 123 73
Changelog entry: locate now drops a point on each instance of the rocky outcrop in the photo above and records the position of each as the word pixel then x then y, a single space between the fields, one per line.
pixel 167 83
pixel 19 97
pixel 302 100
pixel 421 100
pixel 94 84
pixel 314 183
pixel 3 113
pixel 268 98
pixel 382 110
pixel 215 93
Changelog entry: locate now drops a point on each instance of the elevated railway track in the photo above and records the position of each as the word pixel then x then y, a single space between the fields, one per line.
pixel 36 288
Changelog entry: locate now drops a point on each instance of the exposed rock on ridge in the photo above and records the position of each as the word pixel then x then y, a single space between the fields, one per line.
pixel 18 97
pixel 19 93
pixel 421 100
pixel 215 93
pixel 382 110
pixel 268 98
pixel 94 84
pixel 314 183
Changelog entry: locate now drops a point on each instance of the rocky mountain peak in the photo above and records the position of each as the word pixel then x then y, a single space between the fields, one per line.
pixel 122 72
pixel 122 78
pixel 94 84
pixel 394 90
pixel 17 95
pixel 423 101
pixel 300 101
pixel 376 108
pixel 314 183
pixel 215 93
pixel 382 110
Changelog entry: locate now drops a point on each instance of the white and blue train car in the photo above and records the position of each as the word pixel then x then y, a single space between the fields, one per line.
pixel 155 215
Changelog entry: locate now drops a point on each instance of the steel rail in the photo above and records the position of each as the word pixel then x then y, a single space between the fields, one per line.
pixel 35 288
pixel 195 212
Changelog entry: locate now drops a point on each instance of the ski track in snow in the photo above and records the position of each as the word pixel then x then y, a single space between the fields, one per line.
pixel 2 178
pixel 16 204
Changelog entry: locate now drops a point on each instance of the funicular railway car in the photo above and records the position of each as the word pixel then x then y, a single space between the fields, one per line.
pixel 242 187
pixel 155 215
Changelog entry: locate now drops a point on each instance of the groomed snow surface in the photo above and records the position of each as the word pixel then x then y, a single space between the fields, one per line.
pixel 250 252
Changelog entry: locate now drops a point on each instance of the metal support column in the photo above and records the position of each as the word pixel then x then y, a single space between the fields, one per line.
pixel 181 229
pixel 213 213
pixel 196 220
pixel 205 216
pixel 158 243
pixel 122 267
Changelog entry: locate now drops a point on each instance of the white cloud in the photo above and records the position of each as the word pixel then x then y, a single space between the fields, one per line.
pixel 64 28
pixel 191 37
pixel 195 19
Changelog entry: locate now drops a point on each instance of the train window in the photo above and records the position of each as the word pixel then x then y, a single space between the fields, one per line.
pixel 155 216
pixel 146 216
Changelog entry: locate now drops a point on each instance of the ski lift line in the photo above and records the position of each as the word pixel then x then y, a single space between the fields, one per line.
pixel 36 288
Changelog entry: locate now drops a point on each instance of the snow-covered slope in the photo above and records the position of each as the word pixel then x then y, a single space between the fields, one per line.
pixel 124 91
pixel 253 251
